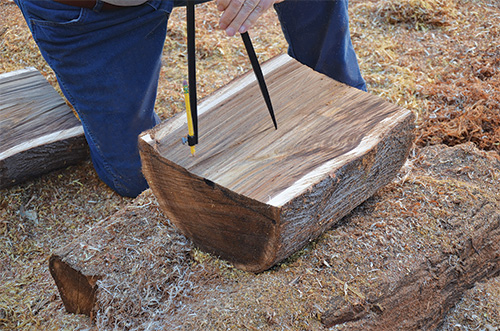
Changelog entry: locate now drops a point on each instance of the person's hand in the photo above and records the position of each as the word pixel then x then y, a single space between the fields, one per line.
pixel 241 15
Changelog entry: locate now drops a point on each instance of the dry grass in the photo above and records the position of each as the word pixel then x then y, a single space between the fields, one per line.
pixel 435 57
pixel 445 69
pixel 418 13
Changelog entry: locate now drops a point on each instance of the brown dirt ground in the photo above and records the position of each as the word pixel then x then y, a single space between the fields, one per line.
pixel 437 58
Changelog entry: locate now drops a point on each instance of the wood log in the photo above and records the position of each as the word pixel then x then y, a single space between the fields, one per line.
pixel 115 249
pixel 399 262
pixel 455 193
pixel 38 131
pixel 254 195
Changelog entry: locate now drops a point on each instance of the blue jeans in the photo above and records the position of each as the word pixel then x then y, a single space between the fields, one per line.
pixel 317 32
pixel 108 62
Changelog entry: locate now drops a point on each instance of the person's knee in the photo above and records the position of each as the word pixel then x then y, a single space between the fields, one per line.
pixel 126 182
pixel 131 187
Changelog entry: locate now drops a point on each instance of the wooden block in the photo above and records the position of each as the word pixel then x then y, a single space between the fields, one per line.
pixel 254 195
pixel 38 131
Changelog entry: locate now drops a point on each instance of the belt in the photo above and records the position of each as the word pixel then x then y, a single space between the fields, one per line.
pixel 90 4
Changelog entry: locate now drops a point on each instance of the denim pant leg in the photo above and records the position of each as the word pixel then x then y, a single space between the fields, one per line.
pixel 107 64
pixel 318 36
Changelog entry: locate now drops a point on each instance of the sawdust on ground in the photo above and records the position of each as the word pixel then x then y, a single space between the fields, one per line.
pixel 433 57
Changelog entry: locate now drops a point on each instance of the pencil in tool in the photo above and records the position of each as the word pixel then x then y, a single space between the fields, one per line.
pixel 190 20
pixel 192 139
pixel 258 73
pixel 188 112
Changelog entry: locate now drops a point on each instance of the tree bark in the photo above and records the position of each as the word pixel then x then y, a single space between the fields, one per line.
pixel 400 261
pixel 39 132
pixel 456 189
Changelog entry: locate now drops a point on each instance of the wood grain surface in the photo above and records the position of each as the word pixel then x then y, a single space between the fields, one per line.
pixel 334 147
pixel 38 131
pixel 319 120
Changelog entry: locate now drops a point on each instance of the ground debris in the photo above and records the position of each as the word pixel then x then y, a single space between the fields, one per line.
pixel 401 260
pixel 438 71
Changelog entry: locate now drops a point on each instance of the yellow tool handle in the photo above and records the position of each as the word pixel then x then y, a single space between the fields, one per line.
pixel 188 112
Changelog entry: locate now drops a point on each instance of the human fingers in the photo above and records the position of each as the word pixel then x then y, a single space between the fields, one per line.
pixel 222 4
pixel 257 12
pixel 235 14
pixel 240 15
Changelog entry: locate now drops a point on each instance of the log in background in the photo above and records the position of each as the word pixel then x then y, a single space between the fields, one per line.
pixel 38 132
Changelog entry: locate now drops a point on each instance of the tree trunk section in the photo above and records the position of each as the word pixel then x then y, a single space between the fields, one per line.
pixel 38 131
pixel 254 195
